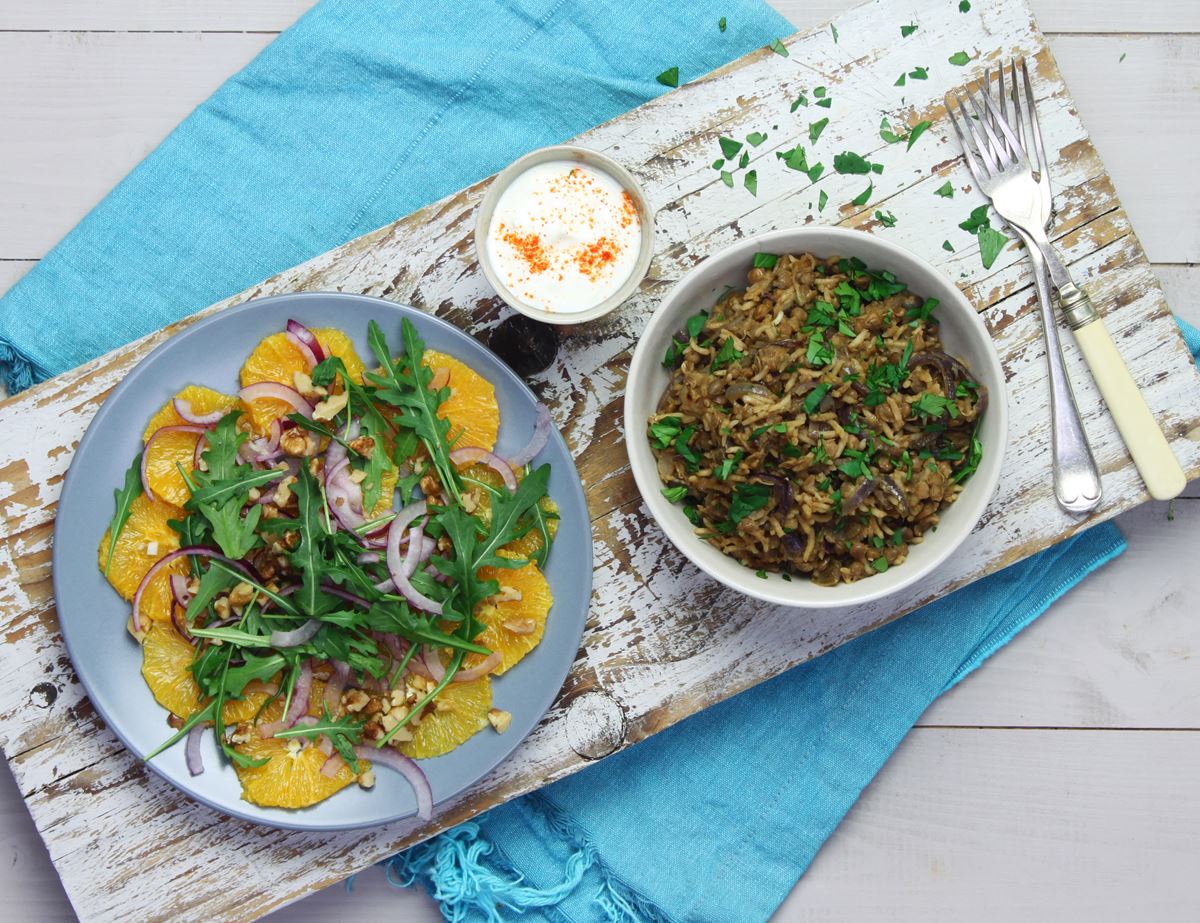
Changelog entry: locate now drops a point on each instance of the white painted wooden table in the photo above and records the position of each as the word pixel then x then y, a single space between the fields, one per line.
pixel 1059 781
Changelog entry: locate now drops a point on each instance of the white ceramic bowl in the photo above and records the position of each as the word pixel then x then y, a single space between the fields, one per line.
pixel 963 335
pixel 503 179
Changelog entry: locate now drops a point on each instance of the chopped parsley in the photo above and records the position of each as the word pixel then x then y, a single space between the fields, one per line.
pixel 931 406
pixel 779 48
pixel 728 465
pixel 850 162
pixel 800 100
pixel 822 199
pixel 834 32
pixel 906 31
pixel 675 494
pixel 669 77
pixel 751 182
pixel 886 133
pixel 746 499
pixel 919 73
pixel 974 456
pixel 685 451
pixel 813 400
pixel 899 81
pixel 991 242
pixel 863 197
pixel 765 260
pixel 819 352
pixel 978 219
pixel 815 171
pixel 880 564
pixel 815 129
pixel 887 219
pixel 917 130
pixel 726 354
pixel 663 433
pixel 768 427
pixel 721 23
pixel 964 6
pixel 923 312
pixel 960 58
pixel 794 159
pixel 946 190
pixel 946 245
pixel 727 178
pixel 755 138
pixel 729 147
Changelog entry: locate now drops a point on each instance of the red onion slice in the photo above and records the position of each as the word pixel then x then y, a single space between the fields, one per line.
pixel 470 454
pixel 198 550
pixel 395 563
pixel 182 428
pixel 407 768
pixel 300 694
pixel 335 685
pixel 296 636
pixel 201 445
pixel 191 750
pixel 433 663
pixel 541 433
pixel 277 392
pixel 483 668
pixel 183 408
pixel 332 766
pixel 343 594
pixel 179 589
pixel 301 335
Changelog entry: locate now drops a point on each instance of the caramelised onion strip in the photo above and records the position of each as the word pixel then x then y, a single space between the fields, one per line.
pixel 470 454
pixel 183 408
pixel 483 668
pixel 407 768
pixel 199 551
pixel 179 428
pixel 273 390
pixel 537 442
pixel 191 750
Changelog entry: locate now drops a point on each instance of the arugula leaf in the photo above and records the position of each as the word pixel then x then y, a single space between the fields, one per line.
pixel 411 394
pixel 124 497
pixel 342 732
pixel 375 463
pixel 307 557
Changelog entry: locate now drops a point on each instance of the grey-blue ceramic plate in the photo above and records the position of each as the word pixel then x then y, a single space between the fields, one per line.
pixel 93 616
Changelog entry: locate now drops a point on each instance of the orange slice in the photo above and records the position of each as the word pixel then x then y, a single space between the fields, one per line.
pixel 528 544
pixel 460 711
pixel 513 627
pixel 167 669
pixel 471 407
pixel 291 777
pixel 145 538
pixel 276 359
pixel 172 450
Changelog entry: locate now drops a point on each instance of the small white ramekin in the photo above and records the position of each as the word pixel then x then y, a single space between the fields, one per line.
pixel 502 180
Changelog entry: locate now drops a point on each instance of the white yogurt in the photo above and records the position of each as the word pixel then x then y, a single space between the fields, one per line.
pixel 564 236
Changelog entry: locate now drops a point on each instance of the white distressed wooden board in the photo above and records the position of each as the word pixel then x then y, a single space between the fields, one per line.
pixel 898 213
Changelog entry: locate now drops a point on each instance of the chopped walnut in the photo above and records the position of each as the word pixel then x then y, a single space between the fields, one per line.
pixel 315 465
pixel 499 719
pixel 507 594
pixel 372 730
pixel 221 606
pixel 241 734
pixel 363 445
pixel 469 503
pixel 367 779
pixel 520 626
pixel 331 406
pixel 355 700
pixel 298 442
pixel 283 492
pixel 357 476
pixel 374 707
pixel 241 594
pixel 304 384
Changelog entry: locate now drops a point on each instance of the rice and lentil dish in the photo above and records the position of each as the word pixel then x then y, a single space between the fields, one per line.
pixel 814 425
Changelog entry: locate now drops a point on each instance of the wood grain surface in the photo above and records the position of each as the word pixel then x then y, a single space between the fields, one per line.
pixel 644 677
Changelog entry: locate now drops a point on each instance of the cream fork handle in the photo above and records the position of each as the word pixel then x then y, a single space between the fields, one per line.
pixel 1143 436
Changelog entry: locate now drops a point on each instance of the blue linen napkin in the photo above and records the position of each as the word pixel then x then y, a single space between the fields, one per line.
pixel 361 113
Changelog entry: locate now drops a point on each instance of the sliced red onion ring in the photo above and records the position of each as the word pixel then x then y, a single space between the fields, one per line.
pixel 335 685
pixel 541 433
pixel 182 428
pixel 198 550
pixel 179 589
pixel 191 750
pixel 300 694
pixel 395 563
pixel 483 668
pixel 369 557
pixel 277 392
pixel 296 636
pixel 332 766
pixel 183 408
pixel 201 445
pixel 343 594
pixel 471 454
pixel 407 768
pixel 440 379
pixel 306 340
pixel 433 663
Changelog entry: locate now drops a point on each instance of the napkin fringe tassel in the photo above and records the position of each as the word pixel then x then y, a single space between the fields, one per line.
pixel 16 370
pixel 471 879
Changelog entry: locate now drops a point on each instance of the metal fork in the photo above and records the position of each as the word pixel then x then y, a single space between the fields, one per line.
pixel 1003 172
pixel 1076 478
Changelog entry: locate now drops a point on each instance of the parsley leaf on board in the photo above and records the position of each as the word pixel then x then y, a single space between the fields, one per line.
pixel 946 190
pixel 863 197
pixel 916 132
pixel 751 182
pixel 815 129
pixel 850 162
pixel 779 48
pixel 991 242
pixel 729 147
pixel 960 58
pixel 906 31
